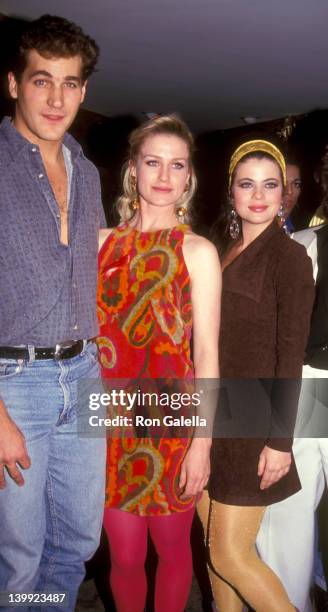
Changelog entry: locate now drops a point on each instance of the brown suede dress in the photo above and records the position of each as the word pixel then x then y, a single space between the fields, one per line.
pixel 267 299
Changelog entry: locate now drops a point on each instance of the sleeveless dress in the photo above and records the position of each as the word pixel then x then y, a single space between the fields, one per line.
pixel 144 310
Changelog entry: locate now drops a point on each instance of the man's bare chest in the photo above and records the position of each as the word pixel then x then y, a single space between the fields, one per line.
pixel 59 184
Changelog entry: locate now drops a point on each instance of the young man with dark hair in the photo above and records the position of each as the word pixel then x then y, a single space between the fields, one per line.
pixel 51 212
pixel 53 36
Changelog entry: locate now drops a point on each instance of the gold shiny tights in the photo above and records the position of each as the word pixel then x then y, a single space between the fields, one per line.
pixel 236 572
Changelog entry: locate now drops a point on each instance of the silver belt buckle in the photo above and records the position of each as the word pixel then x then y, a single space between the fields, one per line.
pixel 62 346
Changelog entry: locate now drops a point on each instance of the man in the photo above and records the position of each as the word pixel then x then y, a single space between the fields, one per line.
pixel 286 540
pixel 321 176
pixel 293 189
pixel 51 212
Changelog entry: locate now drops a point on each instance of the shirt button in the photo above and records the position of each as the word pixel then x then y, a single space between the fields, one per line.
pixel 75 327
pixel 58 216
pixel 40 176
pixel 33 149
pixel 74 285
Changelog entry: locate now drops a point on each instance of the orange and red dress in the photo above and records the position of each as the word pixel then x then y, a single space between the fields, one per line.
pixel 144 305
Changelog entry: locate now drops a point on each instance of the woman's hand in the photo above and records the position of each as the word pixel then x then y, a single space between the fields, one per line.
pixel 273 465
pixel 195 468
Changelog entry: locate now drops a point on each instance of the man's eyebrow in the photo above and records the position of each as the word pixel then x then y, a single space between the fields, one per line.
pixel 50 76
pixel 73 78
pixel 41 73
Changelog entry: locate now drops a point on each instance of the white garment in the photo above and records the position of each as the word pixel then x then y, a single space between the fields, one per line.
pixel 286 537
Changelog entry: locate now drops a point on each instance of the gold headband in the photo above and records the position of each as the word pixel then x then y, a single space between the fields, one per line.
pixel 257 145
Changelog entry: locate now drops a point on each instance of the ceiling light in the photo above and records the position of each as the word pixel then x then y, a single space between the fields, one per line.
pixel 249 120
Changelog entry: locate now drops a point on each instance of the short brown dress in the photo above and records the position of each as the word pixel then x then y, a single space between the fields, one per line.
pixel 267 298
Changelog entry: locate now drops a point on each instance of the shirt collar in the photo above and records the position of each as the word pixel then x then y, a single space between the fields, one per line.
pixel 17 142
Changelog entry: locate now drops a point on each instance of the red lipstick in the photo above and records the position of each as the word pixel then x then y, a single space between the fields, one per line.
pixel 259 208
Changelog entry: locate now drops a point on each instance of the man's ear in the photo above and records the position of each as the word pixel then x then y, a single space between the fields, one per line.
pixel 83 91
pixel 12 85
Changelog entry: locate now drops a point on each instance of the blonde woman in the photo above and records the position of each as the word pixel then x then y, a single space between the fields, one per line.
pixel 159 285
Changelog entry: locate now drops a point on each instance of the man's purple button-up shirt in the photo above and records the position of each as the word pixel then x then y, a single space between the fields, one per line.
pixel 47 289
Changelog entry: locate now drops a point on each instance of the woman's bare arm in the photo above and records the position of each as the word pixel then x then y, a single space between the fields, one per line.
pixel 205 274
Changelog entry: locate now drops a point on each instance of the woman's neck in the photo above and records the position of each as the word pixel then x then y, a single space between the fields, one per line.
pixel 151 219
pixel 251 231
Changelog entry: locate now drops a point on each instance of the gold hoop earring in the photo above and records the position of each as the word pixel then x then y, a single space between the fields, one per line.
pixel 180 213
pixel 134 205
pixel 133 182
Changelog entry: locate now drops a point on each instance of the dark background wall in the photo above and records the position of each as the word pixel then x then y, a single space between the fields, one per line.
pixel 104 140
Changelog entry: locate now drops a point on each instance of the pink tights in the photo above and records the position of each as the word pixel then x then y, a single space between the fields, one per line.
pixel 127 536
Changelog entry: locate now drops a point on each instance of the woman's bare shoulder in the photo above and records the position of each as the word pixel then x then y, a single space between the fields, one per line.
pixel 195 242
pixel 199 253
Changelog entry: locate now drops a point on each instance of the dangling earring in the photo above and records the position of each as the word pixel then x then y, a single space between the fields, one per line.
pixel 282 219
pixel 134 204
pixel 180 213
pixel 281 214
pixel 234 227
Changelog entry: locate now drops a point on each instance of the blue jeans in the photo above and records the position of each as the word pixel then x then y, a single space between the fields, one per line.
pixel 51 525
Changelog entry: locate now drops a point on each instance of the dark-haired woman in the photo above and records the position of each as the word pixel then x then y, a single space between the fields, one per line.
pixel 266 305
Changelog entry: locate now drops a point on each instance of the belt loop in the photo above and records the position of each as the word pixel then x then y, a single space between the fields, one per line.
pixel 85 342
pixel 31 352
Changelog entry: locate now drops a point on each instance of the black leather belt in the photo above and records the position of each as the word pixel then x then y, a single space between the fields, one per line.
pixel 62 350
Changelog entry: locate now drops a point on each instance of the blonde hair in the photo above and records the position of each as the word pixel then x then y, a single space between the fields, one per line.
pixel 166 124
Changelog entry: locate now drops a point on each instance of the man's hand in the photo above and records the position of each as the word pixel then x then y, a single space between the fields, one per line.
pixel 13 450
pixel 195 468
pixel 273 465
